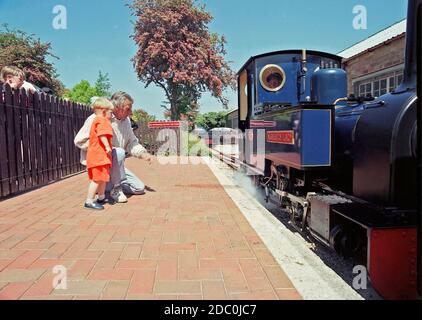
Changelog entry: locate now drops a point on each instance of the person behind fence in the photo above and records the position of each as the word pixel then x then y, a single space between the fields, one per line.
pixel 15 78
pixel 122 180
pixel 98 159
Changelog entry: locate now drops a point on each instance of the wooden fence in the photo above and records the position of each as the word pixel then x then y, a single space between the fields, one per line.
pixel 36 139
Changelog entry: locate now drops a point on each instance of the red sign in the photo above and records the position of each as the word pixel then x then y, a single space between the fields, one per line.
pixel 163 124
pixel 262 124
pixel 282 137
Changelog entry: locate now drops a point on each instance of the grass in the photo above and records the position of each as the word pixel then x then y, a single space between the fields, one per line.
pixel 197 147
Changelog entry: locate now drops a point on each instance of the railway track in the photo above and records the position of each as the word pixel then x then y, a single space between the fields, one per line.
pixel 228 158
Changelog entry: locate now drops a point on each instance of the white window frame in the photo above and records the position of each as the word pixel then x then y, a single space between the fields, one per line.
pixel 387 76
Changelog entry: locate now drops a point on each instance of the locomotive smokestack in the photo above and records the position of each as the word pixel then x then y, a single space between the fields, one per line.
pixel 410 70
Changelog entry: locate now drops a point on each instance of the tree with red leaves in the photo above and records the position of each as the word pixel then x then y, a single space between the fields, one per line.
pixel 177 52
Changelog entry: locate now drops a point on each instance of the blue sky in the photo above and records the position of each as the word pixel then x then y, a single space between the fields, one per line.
pixel 98 35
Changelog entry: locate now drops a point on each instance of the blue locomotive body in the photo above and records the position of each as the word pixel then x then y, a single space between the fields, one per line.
pixel 299 137
pixel 296 109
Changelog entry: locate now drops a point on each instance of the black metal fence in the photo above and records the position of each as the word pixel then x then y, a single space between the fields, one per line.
pixel 36 139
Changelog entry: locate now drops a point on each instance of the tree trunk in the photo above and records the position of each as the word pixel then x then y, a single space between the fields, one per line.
pixel 174 107
pixel 174 111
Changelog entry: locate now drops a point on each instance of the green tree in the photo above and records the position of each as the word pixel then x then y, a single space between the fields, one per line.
pixel 140 115
pixel 212 120
pixel 189 104
pixel 17 48
pixel 83 91
pixel 103 85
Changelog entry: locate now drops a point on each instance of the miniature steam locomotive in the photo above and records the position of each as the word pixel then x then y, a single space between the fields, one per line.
pixel 344 167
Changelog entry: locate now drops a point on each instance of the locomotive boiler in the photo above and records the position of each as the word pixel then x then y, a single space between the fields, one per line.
pixel 344 167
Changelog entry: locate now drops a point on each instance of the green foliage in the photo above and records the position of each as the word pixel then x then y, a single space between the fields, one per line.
pixel 189 106
pixel 140 115
pixel 103 85
pixel 17 48
pixel 212 120
pixel 83 91
pixel 197 147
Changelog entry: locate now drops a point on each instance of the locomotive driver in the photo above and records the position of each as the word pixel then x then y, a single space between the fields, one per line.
pixel 274 80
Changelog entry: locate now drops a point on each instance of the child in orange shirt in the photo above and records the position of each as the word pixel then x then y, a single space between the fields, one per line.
pixel 98 161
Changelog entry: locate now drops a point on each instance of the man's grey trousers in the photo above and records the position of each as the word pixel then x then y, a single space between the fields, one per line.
pixel 119 175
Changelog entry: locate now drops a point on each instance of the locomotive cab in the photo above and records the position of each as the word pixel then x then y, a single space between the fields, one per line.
pixel 285 94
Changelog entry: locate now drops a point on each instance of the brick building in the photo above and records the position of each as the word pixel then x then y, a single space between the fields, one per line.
pixel 375 65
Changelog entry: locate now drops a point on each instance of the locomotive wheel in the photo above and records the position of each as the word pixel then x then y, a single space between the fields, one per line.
pixel 343 242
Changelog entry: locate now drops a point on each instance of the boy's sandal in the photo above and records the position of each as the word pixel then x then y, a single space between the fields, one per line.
pixel 94 206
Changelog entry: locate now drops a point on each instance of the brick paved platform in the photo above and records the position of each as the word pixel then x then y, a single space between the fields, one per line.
pixel 184 239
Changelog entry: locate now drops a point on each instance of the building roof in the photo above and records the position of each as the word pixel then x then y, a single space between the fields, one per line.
pixel 384 35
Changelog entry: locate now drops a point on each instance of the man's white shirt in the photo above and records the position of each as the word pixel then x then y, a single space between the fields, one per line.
pixel 123 137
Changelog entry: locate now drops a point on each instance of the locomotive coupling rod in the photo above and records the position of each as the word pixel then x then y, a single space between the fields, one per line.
pixel 301 201
pixel 292 198
pixel 273 172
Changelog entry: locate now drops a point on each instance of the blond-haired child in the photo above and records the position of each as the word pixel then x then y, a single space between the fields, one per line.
pixel 99 153
pixel 15 78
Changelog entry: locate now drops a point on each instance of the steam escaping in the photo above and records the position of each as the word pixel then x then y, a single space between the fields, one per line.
pixel 246 182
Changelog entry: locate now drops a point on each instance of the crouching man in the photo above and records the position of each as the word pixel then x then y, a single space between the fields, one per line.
pixel 122 180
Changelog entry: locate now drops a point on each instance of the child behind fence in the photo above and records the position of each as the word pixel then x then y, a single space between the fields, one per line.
pixel 15 78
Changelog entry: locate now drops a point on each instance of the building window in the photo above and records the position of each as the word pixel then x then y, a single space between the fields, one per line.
pixel 399 79
pixel 391 83
pixel 365 90
pixel 378 86
pixel 383 87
